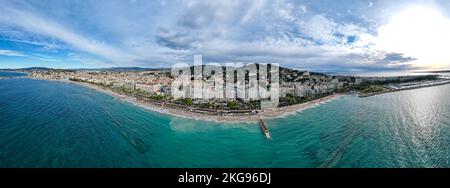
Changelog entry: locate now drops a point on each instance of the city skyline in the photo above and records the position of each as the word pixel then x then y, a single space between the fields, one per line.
pixel 320 35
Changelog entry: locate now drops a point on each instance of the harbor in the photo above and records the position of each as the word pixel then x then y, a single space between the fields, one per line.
pixel 406 86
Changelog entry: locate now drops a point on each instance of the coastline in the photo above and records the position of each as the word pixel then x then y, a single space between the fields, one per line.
pixel 363 95
pixel 264 114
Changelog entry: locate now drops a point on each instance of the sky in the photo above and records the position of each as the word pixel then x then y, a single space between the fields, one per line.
pixel 323 35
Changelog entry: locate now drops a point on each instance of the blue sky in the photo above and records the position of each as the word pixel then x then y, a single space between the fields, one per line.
pixel 329 35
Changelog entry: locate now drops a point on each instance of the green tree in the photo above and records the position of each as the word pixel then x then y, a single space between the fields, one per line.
pixel 188 101
pixel 157 97
pixel 233 105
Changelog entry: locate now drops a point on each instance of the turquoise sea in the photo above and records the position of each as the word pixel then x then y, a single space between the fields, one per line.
pixel 53 124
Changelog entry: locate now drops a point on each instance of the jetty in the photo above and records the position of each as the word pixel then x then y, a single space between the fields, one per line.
pixel 264 129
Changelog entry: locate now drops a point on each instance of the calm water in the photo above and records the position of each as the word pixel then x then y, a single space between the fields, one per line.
pixel 50 124
pixel 11 74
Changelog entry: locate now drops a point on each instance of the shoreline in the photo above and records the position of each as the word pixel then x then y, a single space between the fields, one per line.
pixel 264 114
pixel 364 95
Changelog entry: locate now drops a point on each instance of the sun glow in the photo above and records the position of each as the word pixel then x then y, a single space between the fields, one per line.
pixel 419 32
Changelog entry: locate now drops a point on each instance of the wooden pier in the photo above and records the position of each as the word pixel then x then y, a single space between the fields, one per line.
pixel 264 129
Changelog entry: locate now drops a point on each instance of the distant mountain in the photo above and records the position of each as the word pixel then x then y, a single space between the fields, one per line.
pixel 130 69
pixel 29 69
pixel 283 71
pixel 114 69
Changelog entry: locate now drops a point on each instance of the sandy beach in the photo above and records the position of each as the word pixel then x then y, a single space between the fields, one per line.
pixel 265 114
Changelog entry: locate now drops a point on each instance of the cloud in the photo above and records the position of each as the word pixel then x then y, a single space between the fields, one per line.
pixel 36 24
pixel 212 28
pixel 25 39
pixel 161 33
pixel 319 29
pixel 222 31
pixel 288 35
pixel 418 31
pixel 11 53
pixel 397 58
pixel 174 40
